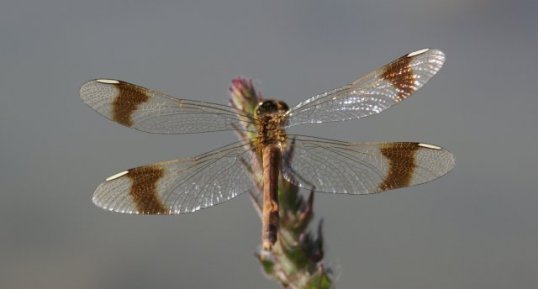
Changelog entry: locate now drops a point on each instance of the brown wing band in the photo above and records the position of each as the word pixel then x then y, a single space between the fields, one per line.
pixel 126 102
pixel 400 74
pixel 401 158
pixel 144 189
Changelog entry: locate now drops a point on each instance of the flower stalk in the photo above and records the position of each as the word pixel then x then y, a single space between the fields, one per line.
pixel 295 260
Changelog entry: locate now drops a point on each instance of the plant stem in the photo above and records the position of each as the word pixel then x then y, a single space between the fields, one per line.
pixel 296 258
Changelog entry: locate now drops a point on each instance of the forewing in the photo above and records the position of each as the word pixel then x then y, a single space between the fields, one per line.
pixel 155 112
pixel 362 168
pixel 178 186
pixel 372 93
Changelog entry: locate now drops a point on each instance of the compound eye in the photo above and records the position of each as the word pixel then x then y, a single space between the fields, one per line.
pixel 268 106
pixel 283 106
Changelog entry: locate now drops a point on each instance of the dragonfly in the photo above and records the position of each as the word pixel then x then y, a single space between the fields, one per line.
pixel 331 166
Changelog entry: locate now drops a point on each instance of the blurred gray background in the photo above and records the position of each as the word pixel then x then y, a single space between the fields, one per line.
pixel 474 228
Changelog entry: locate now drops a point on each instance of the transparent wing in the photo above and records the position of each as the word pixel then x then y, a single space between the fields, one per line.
pixel 362 168
pixel 372 93
pixel 155 112
pixel 178 186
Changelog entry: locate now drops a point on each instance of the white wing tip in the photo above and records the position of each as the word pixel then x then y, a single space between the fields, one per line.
pixel 448 156
pixel 116 176
pixel 418 52
pixel 430 146
pixel 435 52
pixel 107 81
pixel 87 90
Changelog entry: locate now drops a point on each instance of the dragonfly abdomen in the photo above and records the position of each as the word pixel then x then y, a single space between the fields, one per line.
pixel 271 157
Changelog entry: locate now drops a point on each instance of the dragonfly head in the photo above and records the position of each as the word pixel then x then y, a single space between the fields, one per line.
pixel 271 106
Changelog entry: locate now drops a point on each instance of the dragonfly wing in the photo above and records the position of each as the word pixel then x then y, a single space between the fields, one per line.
pixel 178 186
pixel 372 93
pixel 362 168
pixel 155 112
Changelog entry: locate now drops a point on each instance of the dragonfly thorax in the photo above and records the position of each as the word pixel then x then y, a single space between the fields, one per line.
pixel 271 117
